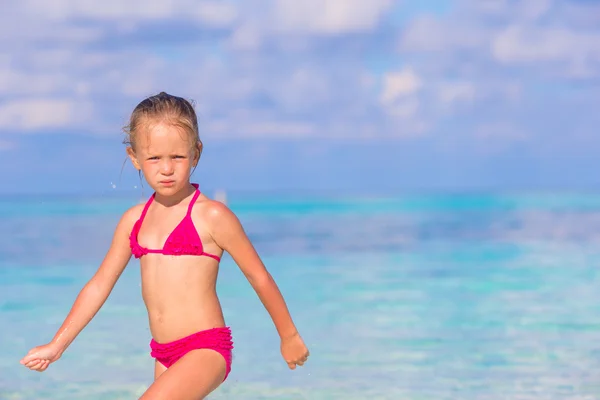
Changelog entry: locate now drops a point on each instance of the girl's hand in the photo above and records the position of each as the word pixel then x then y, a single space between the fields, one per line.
pixel 40 357
pixel 294 351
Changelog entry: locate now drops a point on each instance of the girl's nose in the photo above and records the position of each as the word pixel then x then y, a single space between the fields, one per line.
pixel 167 167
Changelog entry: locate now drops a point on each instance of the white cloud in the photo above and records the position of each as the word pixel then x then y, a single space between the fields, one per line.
pixel 508 9
pixel 12 32
pixel 247 37
pixel 13 81
pixel 284 67
pixel 278 128
pixel 436 34
pixel 490 6
pixel 535 9
pixel 305 88
pixel 539 33
pixel 399 90
pixel 493 137
pixel 325 17
pixel 76 23
pixel 211 12
pixel 534 45
pixel 398 84
pixel 214 13
pixel 404 109
pixel 256 128
pixel 42 113
pixel 580 14
pixel 493 57
pixel 450 92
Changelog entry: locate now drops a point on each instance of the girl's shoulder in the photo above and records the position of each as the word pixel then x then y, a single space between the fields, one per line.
pixel 128 221
pixel 134 211
pixel 211 211
pixel 221 223
pixel 209 207
pixel 131 215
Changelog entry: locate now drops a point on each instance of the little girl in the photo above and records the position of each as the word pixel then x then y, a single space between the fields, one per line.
pixel 179 235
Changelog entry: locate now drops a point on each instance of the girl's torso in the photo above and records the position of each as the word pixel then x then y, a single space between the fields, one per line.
pixel 179 264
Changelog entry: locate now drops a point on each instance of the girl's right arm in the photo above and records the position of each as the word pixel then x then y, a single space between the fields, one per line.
pixel 90 298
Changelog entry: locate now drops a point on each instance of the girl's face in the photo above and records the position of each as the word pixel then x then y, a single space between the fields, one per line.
pixel 165 155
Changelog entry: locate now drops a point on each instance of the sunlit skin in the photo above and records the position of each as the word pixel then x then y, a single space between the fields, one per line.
pixel 179 291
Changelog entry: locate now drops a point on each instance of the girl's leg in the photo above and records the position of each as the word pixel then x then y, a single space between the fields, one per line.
pixel 158 369
pixel 192 377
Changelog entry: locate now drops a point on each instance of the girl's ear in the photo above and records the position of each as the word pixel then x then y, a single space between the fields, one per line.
pixel 199 148
pixel 133 158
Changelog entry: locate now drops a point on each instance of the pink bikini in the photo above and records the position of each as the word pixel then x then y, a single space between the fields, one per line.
pixel 184 240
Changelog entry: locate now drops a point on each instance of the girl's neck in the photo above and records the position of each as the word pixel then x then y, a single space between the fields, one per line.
pixel 176 198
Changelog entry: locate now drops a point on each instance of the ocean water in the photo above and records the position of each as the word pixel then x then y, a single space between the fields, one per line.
pixel 416 297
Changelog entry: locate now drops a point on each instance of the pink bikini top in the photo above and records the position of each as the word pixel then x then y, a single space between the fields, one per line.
pixel 184 240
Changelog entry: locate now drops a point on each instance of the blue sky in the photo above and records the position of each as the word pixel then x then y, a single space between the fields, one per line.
pixel 318 95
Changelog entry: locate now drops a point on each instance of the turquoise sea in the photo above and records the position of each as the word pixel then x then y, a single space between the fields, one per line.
pixel 455 296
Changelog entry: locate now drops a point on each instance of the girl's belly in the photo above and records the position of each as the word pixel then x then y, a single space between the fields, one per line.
pixel 180 296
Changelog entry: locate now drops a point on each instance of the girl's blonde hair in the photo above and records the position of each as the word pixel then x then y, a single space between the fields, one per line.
pixel 166 108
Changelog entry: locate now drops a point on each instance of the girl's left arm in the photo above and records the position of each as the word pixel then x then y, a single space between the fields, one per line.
pixel 228 233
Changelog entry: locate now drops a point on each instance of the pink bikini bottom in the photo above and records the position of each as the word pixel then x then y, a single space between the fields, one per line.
pixel 217 339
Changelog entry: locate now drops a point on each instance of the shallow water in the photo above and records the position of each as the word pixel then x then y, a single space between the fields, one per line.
pixel 422 297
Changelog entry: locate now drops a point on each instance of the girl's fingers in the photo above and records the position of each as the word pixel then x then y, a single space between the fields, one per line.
pixel 32 362
pixel 44 366
pixel 35 365
pixel 28 358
